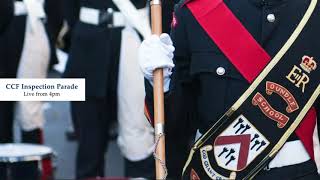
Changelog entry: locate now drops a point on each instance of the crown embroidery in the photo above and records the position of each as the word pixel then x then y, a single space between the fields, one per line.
pixel 308 64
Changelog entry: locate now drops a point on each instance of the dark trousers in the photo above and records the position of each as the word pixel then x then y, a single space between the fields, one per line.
pixel 6 126
pixel 93 120
pixel 303 171
pixel 137 169
pixel 6 122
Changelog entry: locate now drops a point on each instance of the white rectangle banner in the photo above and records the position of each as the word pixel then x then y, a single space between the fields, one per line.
pixel 62 89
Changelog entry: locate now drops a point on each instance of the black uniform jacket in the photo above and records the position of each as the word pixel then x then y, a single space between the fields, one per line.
pixel 14 37
pixel 197 58
pixel 94 51
pixel 6 14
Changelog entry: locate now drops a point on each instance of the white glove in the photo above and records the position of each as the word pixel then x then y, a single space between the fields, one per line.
pixel 157 52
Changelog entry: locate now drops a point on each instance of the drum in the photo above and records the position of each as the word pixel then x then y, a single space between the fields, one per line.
pixel 26 161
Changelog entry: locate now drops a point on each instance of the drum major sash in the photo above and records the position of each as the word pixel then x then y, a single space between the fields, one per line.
pixel 283 90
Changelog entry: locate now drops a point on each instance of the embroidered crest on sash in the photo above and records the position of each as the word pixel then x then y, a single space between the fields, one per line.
pixel 238 145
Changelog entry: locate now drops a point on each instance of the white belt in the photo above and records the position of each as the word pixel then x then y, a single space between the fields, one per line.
pixel 118 19
pixel 92 16
pixel 20 8
pixel 32 8
pixel 89 15
pixel 292 152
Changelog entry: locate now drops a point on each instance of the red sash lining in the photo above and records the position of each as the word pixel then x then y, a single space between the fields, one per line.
pixel 243 51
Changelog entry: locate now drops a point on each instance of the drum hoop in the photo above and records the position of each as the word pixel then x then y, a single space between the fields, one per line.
pixel 25 158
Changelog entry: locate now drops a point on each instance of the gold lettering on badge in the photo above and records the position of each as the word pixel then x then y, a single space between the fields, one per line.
pixel 297 75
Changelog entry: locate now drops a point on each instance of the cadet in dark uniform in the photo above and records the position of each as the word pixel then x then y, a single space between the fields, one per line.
pixel 208 80
pixel 93 55
pixel 5 107
pixel 6 15
pixel 14 39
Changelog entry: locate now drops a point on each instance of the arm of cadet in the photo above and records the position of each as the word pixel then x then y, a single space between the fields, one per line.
pixel 180 72
pixel 71 10
pixel 6 14
pixel 54 12
pixel 134 17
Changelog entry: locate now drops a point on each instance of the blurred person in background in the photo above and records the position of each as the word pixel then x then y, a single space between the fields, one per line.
pixel 6 15
pixel 29 52
pixel 93 55
pixel 135 137
pixel 6 114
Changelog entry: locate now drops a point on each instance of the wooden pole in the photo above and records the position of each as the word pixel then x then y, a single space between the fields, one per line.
pixel 156 25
